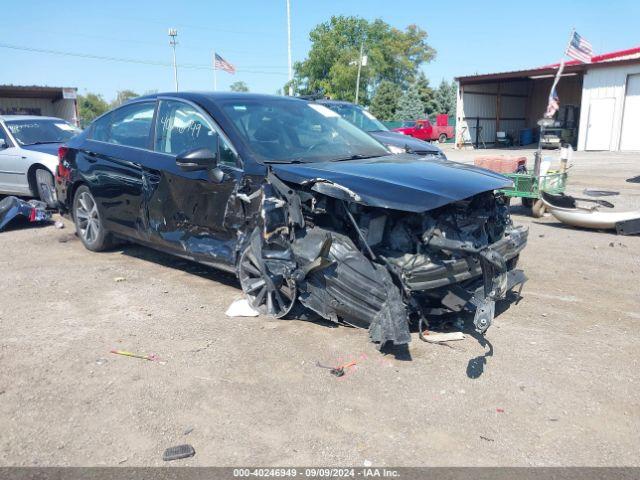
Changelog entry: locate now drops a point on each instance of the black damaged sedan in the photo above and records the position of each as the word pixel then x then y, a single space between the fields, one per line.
pixel 304 207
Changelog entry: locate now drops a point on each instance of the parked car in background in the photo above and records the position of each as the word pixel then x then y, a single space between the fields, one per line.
pixel 395 142
pixel 425 130
pixel 29 154
pixel 302 205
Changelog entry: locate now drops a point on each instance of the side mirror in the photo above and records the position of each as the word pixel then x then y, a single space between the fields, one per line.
pixel 198 159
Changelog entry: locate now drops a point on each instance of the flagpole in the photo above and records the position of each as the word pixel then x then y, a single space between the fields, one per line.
pixel 561 67
pixel 538 154
pixel 215 76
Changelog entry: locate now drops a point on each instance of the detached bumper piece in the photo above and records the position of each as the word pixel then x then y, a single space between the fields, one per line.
pixel 13 207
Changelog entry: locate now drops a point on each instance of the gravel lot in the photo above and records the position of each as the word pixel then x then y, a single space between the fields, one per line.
pixel 556 381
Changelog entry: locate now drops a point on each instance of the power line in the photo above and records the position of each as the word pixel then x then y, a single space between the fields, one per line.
pixel 187 46
pixel 193 66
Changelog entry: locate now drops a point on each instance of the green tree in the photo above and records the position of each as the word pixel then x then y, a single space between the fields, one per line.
pixel 122 96
pixel 331 67
pixel 410 107
pixel 91 106
pixel 445 98
pixel 426 93
pixel 385 101
pixel 239 86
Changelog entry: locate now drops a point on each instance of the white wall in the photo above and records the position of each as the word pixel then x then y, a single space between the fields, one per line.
pixel 63 108
pixel 605 82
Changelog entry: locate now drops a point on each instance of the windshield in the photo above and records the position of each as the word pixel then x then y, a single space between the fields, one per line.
pixel 358 116
pixel 34 131
pixel 297 131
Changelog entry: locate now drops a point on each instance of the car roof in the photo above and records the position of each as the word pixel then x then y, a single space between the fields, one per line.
pixel 28 117
pixel 216 96
pixel 336 102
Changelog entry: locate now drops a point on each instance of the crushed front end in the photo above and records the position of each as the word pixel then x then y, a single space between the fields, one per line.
pixel 379 268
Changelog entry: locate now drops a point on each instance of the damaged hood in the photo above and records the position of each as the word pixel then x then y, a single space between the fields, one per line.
pixel 400 182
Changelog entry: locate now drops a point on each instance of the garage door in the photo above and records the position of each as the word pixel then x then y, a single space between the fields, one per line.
pixel 630 137
pixel 600 122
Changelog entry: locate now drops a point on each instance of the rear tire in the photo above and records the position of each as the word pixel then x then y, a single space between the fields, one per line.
pixel 442 138
pixel 88 221
pixel 44 186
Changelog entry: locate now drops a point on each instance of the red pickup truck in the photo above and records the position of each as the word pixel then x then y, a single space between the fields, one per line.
pixel 424 130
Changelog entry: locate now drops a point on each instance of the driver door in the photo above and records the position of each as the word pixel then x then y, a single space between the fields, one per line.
pixel 191 213
pixel 13 171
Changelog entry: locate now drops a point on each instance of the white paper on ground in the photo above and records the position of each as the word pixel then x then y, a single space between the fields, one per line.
pixel 241 308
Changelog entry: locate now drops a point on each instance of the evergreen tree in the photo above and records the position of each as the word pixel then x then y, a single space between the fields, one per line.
pixel 385 100
pixel 410 107
pixel 426 93
pixel 445 98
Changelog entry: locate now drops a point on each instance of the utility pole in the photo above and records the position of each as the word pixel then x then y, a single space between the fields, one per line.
pixel 359 69
pixel 289 46
pixel 173 33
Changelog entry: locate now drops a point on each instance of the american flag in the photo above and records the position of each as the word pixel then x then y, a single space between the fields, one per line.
pixel 580 49
pixel 220 63
pixel 553 105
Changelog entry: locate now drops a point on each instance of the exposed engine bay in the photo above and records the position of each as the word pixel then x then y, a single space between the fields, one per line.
pixel 379 268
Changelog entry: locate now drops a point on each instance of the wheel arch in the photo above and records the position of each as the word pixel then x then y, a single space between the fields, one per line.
pixel 31 177
pixel 72 194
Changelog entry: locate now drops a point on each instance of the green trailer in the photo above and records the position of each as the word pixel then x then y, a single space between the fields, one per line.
pixel 528 186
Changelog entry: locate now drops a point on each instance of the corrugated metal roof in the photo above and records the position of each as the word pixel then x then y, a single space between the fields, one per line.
pixel 628 55
pixel 32 91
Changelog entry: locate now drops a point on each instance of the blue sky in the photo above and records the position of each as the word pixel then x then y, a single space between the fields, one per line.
pixel 469 36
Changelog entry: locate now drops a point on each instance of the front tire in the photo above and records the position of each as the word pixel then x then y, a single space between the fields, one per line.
pixel 442 138
pixel 268 291
pixel 88 221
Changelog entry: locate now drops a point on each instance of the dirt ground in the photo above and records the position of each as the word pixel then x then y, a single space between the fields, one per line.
pixel 555 382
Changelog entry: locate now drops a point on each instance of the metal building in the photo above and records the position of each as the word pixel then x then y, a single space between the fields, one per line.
pixel 600 103
pixel 34 100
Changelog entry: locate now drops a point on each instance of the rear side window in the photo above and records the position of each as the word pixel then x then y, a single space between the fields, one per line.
pixel 129 125
pixel 180 127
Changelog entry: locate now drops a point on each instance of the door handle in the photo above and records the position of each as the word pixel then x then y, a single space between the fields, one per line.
pixel 92 156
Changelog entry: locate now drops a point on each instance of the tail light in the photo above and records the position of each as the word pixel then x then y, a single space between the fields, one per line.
pixel 63 172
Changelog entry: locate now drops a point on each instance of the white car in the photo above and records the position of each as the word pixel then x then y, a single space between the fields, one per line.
pixel 29 154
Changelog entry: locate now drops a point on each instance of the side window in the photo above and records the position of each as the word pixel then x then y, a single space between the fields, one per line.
pixel 5 137
pixel 181 127
pixel 227 156
pixel 100 129
pixel 129 125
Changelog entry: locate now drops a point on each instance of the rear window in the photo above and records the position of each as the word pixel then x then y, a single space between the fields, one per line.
pixel 35 131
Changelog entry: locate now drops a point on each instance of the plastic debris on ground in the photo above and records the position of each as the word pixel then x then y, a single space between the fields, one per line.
pixel 151 357
pixel 180 451
pixel 12 207
pixel 440 337
pixel 600 193
pixel 59 224
pixel 338 371
pixel 241 308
